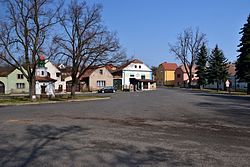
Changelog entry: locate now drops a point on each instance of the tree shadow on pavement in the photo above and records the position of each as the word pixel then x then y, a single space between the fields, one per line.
pixel 37 142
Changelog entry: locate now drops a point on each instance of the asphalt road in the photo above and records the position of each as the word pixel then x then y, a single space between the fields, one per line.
pixel 167 127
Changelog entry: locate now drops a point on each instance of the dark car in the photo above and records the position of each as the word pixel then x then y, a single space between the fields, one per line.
pixel 107 89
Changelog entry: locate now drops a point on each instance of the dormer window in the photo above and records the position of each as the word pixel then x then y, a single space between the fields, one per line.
pixel 135 66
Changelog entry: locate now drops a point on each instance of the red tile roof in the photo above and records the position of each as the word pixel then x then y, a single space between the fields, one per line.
pixel 169 66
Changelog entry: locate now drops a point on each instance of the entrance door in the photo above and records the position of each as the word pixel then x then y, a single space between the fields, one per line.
pixel 2 88
pixel 43 89
pixel 60 88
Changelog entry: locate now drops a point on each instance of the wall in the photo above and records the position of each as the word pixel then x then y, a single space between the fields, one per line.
pixel 53 70
pixel 96 76
pixel 170 78
pixel 160 78
pixel 12 81
pixel 133 71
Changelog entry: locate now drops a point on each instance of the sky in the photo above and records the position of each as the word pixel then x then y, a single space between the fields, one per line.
pixel 146 27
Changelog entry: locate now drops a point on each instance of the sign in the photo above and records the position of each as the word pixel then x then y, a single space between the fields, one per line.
pixel 227 83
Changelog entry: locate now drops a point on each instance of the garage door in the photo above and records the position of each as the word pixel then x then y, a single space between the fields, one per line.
pixel 2 88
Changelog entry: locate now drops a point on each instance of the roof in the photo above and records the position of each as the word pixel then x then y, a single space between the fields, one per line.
pixel 231 69
pixel 5 71
pixel 126 64
pixel 169 66
pixel 44 79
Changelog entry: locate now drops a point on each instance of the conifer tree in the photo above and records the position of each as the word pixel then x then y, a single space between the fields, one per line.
pixel 201 66
pixel 217 71
pixel 243 61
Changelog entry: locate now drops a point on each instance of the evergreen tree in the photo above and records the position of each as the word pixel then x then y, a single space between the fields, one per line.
pixel 201 65
pixel 217 71
pixel 243 61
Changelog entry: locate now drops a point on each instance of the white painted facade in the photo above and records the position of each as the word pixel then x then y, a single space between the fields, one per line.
pixel 55 73
pixel 48 85
pixel 137 71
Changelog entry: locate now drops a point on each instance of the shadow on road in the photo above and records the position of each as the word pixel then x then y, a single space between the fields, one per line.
pixel 38 141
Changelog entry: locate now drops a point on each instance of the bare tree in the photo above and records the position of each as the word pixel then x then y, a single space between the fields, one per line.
pixel 24 34
pixel 85 41
pixel 187 47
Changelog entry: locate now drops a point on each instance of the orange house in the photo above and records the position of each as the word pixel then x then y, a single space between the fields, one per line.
pixel 165 74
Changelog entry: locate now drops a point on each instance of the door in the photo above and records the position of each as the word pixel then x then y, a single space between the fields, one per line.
pixel 43 89
pixel 2 88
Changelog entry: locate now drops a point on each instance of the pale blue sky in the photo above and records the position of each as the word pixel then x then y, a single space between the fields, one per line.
pixel 145 27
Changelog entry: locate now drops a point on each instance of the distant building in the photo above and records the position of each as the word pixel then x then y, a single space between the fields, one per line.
pixel 134 75
pixel 165 74
pixel 181 76
pixel 12 81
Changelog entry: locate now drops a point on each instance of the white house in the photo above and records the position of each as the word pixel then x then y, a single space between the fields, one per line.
pixel 134 75
pixel 45 85
pixel 54 73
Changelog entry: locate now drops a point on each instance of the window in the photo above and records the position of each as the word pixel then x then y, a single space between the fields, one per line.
pixel 20 85
pixel 101 72
pixel 58 74
pixel 131 75
pixel 19 76
pixel 135 66
pixel 178 75
pixel 143 77
pixel 48 74
pixel 139 66
pixel 192 76
pixel 100 83
pixel 42 73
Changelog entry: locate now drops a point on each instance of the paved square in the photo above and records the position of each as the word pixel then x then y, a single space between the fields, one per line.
pixel 167 127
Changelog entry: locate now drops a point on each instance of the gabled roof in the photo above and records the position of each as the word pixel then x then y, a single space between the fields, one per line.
pixel 169 66
pixel 91 69
pixel 5 71
pixel 126 64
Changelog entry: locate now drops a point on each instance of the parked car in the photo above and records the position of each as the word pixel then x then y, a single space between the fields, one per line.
pixel 107 89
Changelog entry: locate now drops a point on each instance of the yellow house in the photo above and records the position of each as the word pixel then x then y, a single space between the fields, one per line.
pixel 165 74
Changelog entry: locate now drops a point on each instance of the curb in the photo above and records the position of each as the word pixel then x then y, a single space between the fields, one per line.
pixel 55 102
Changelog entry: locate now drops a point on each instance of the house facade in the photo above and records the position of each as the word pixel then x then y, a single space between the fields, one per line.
pixel 165 74
pixel 45 85
pixel 181 76
pixel 12 81
pixel 54 73
pixel 134 75
pixel 96 78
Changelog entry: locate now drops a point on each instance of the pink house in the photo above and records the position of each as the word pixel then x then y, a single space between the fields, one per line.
pixel 181 76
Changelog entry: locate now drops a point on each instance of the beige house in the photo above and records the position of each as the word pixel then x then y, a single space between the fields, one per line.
pixel 94 79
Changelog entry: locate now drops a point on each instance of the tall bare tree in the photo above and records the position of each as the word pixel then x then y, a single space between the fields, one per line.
pixel 24 34
pixel 187 48
pixel 85 41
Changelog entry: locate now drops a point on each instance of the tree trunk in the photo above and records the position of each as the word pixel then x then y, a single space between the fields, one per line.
pixel 248 88
pixel 73 90
pixel 217 82
pixel 190 81
pixel 32 88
